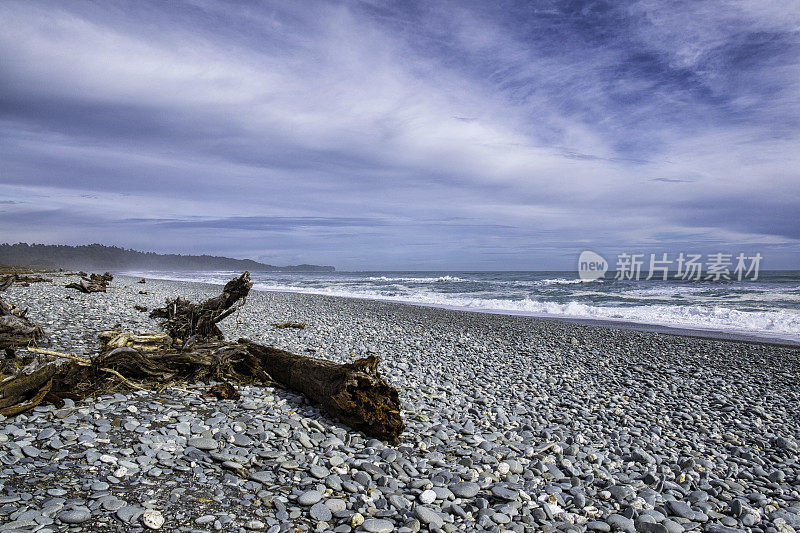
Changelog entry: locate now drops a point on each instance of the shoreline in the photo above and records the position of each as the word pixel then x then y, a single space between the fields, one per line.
pixel 720 335
pixel 731 335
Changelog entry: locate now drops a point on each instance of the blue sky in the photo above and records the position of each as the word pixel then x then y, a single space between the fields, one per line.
pixel 403 135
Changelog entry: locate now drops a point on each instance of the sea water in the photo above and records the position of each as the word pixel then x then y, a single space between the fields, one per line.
pixel 768 307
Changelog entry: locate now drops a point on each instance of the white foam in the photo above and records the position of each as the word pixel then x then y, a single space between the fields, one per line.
pixel 693 311
pixel 780 323
pixel 438 279
pixel 563 281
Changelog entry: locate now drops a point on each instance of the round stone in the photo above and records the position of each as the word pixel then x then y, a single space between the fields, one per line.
pixel 321 512
pixel 77 516
pixel 428 516
pixel 319 472
pixel 427 496
pixel 467 489
pixel 376 525
pixel 504 493
pixel 336 505
pixel 152 519
pixel 129 513
pixel 203 443
pixel 264 476
pixel 99 486
pixel 309 498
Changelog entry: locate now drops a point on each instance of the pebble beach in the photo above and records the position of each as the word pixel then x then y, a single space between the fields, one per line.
pixel 512 423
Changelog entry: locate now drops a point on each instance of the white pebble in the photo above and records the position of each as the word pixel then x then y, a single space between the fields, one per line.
pixel 427 496
pixel 153 519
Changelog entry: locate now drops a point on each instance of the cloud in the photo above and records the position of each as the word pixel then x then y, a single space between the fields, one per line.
pixel 673 180
pixel 400 135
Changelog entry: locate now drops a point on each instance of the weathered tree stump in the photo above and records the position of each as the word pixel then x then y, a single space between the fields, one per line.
pixel 94 283
pixel 353 393
pixel 15 328
pixel 185 319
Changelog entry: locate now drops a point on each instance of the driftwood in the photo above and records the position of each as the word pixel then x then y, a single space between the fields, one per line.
pixel 94 283
pixel 296 325
pixel 192 350
pixel 354 393
pixel 185 319
pixel 15 328
pixel 31 279
pixel 21 280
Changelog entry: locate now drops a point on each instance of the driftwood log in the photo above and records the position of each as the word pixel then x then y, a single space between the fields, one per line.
pixel 185 319
pixel 353 393
pixel 94 283
pixel 15 328
pixel 192 350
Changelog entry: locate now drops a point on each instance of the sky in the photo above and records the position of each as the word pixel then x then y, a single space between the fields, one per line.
pixel 431 135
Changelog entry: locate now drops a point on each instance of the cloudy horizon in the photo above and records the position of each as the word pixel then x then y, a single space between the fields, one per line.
pixel 372 135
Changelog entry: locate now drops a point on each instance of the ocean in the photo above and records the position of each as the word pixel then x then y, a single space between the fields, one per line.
pixel 767 308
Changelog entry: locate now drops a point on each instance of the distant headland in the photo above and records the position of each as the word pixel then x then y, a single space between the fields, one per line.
pixel 98 256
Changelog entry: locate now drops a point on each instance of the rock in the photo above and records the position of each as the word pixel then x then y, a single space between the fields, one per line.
pixel 398 502
pixel 320 512
pixel 651 527
pixel 716 528
pixel 790 518
pixel 737 508
pixel 336 505
pixel 466 489
pixel 152 519
pixel 621 523
pixel 501 518
pixel 375 525
pixel 596 525
pixel 786 444
pixel 76 516
pixel 672 526
pixel 319 472
pixel 263 476
pixel 428 516
pixel 19 525
pixel 621 493
pixel 682 509
pixel 129 513
pixel 309 497
pixel 427 496
pixel 504 493
pixel 203 443
pixel 641 456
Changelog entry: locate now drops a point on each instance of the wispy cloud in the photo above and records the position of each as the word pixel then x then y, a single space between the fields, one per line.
pixel 358 133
